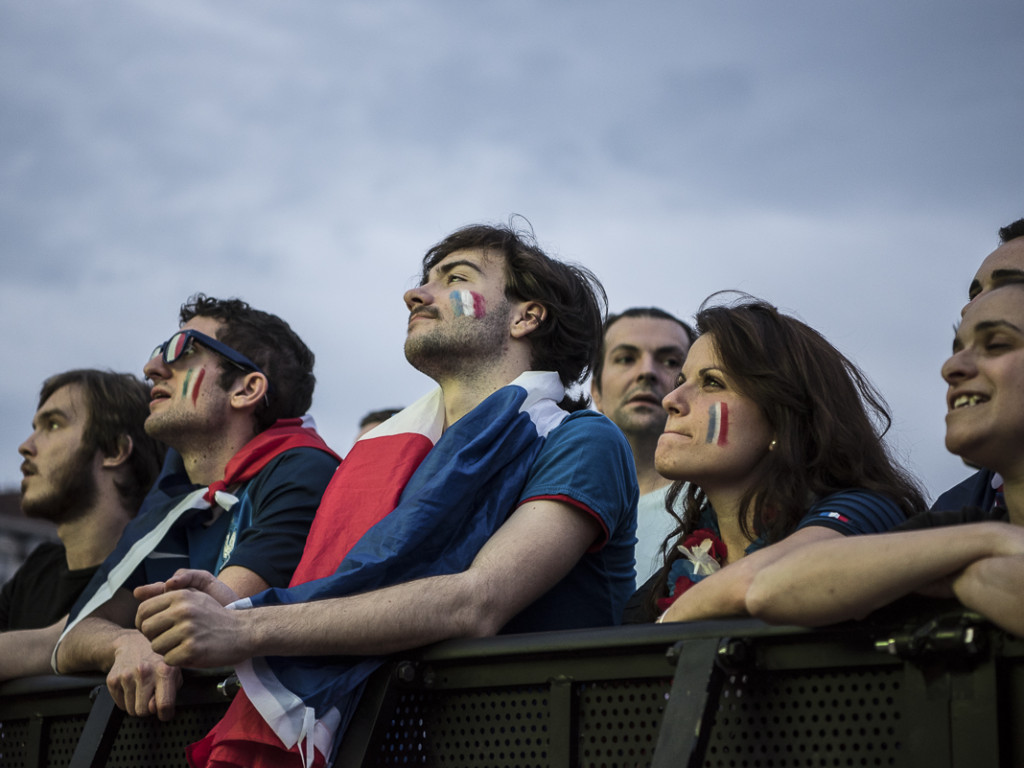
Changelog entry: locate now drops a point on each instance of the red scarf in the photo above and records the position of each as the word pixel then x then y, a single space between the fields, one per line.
pixel 281 436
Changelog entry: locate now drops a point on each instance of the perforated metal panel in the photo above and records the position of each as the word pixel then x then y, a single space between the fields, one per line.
pixel 61 739
pixel 139 741
pixel 147 741
pixel 589 700
pixel 503 729
pixel 619 721
pixel 785 720
pixel 13 737
pixel 781 719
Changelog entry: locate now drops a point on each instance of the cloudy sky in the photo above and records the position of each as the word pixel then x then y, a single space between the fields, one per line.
pixel 850 162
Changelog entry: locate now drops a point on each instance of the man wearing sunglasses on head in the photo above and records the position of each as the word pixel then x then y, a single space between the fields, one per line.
pixel 236 496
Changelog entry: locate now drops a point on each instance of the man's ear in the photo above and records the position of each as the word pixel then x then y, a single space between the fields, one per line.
pixel 249 390
pixel 121 454
pixel 528 317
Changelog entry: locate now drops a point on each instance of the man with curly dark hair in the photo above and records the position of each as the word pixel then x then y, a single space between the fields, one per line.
pixel 230 389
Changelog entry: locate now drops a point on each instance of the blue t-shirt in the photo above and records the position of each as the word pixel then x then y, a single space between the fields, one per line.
pixel 264 532
pixel 937 518
pixel 854 512
pixel 850 513
pixel 586 462
pixel 975 491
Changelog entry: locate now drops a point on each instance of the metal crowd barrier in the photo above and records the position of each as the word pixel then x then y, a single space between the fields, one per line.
pixel 939 689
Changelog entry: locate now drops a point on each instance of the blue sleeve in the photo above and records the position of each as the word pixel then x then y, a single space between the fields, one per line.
pixel 854 512
pixel 284 499
pixel 587 461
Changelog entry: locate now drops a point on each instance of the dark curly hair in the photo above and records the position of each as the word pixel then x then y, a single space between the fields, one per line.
pixel 1011 231
pixel 569 339
pixel 269 342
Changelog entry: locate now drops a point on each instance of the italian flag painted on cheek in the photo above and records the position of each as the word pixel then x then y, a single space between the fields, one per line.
pixel 193 383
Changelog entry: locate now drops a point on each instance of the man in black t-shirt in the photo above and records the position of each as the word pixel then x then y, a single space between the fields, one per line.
pixel 86 467
pixel 235 499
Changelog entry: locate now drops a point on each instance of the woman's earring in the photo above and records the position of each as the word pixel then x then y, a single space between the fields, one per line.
pixel 772 444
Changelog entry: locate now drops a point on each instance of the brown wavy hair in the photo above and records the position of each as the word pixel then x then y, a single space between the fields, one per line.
pixel 828 421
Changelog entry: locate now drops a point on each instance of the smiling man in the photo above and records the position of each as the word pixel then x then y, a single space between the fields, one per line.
pixel 235 500
pixel 87 465
pixel 642 351
pixel 974 554
pixel 497 503
pixel 1004 266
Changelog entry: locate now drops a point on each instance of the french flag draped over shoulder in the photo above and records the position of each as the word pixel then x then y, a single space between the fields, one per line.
pixel 407 502
pixel 154 520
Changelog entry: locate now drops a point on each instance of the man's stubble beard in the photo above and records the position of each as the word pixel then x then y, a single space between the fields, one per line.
pixel 645 426
pixel 185 428
pixel 461 346
pixel 73 491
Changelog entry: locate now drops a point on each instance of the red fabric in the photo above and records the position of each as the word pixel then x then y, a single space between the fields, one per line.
pixel 353 502
pixel 356 490
pixel 718 551
pixel 281 436
pixel 243 740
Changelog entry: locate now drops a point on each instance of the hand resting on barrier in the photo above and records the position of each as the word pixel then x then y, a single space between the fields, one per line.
pixel 184 620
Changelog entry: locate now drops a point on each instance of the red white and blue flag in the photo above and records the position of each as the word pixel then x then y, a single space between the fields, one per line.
pixel 408 502
pixel 718 424
pixel 467 303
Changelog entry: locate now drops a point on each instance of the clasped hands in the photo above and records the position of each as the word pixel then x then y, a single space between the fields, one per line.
pixel 175 622
pixel 185 621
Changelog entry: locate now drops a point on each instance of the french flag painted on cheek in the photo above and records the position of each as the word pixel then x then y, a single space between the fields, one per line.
pixel 718 424
pixel 467 303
